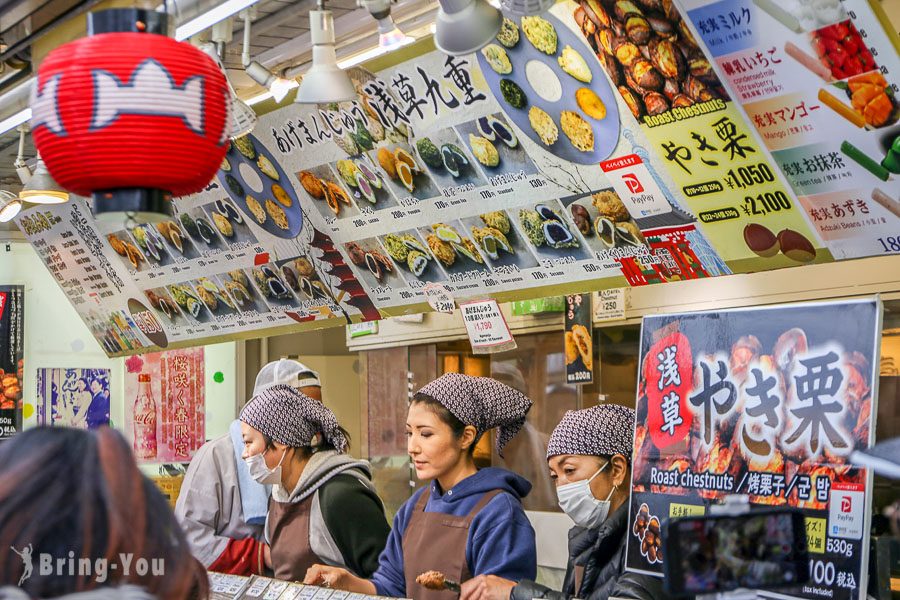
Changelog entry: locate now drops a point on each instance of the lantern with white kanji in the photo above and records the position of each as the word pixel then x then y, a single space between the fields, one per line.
pixel 129 115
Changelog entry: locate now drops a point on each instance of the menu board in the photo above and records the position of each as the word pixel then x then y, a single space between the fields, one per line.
pixel 819 82
pixel 598 145
pixel 515 172
pixel 650 52
pixel 767 403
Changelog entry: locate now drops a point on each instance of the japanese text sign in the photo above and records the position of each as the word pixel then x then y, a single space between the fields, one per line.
pixel 12 351
pixel 177 383
pixel 486 326
pixel 767 403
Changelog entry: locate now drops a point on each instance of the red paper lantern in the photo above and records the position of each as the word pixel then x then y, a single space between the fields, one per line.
pixel 128 110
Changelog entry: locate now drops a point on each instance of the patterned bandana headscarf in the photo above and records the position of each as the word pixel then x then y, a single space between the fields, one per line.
pixel 290 417
pixel 482 402
pixel 602 430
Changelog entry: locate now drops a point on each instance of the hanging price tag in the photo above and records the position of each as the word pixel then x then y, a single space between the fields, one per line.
pixel 486 326
pixel 609 305
pixel 439 298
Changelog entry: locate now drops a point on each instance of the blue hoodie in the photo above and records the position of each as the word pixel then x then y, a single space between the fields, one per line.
pixel 501 539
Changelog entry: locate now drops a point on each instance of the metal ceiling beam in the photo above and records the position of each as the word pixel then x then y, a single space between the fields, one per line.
pixel 350 48
pixel 277 18
pixel 350 28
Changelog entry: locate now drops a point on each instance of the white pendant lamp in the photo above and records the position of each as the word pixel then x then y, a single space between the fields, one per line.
pixel 465 26
pixel 325 82
pixel 389 35
pixel 10 205
pixel 42 188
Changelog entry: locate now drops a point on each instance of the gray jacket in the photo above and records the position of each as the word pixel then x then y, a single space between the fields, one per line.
pixel 328 528
pixel 209 505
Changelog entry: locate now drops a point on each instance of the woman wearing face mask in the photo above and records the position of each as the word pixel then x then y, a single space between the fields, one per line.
pixel 295 444
pixel 466 522
pixel 589 455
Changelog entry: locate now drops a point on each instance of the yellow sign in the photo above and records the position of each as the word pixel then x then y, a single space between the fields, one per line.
pixel 738 197
pixel 686 510
pixel 815 535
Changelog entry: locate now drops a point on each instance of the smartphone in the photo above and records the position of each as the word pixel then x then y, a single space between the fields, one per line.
pixel 758 550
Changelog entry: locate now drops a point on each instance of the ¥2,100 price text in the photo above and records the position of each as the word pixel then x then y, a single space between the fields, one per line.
pixel 764 204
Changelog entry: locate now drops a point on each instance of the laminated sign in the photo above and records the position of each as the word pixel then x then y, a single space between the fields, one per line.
pixel 579 342
pixel 12 352
pixel 486 326
pixel 767 403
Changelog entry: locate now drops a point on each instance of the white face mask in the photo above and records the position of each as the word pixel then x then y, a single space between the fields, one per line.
pixel 579 503
pixel 260 472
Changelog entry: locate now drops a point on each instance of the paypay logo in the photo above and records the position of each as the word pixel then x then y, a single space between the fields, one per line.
pixel 846 504
pixel 633 183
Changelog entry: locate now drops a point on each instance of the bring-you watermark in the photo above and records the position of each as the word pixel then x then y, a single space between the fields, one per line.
pixel 48 565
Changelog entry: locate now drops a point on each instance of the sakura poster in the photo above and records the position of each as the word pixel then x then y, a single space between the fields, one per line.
pixel 164 405
pixel 767 403
pixel 73 397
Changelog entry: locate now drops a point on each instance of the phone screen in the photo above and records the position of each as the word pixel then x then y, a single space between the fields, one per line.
pixel 753 551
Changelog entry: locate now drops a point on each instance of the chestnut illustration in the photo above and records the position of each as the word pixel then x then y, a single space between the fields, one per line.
pixel 761 240
pixel 795 246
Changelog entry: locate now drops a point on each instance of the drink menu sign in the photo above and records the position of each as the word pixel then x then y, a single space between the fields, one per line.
pixel 819 83
pixel 164 404
pixel 767 403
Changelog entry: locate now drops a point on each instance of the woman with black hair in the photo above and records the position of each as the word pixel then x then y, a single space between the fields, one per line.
pixel 77 497
pixel 589 456
pixel 295 444
pixel 466 522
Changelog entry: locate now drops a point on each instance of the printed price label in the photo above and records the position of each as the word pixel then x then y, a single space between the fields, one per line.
pixel 609 305
pixel 486 326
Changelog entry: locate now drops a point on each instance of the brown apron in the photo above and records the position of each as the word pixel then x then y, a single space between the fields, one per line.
pixel 435 541
pixel 289 539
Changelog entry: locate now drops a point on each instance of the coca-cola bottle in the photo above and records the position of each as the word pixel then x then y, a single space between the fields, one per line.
pixel 144 420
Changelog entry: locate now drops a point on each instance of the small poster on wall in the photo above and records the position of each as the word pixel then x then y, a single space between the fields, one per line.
pixel 12 325
pixel 73 397
pixel 579 339
pixel 164 405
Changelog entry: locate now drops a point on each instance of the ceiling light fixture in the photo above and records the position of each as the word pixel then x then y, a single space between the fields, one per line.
pixel 277 86
pixel 325 81
pixel 465 26
pixel 369 54
pixel 10 205
pixel 21 167
pixel 211 17
pixel 42 188
pixel 389 35
pixel 243 118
